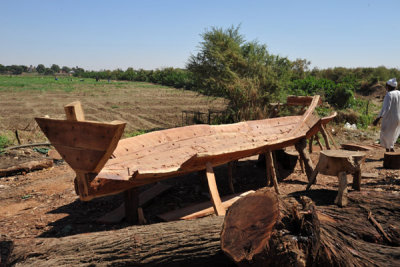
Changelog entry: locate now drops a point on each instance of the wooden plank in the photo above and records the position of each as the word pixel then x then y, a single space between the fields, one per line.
pixel 74 111
pixel 212 186
pixel 200 210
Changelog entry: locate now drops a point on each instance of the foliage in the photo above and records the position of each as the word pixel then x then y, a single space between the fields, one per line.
pixel 4 142
pixel 66 69
pixel 243 72
pixel 55 68
pixel 48 71
pixel 338 95
pixel 40 68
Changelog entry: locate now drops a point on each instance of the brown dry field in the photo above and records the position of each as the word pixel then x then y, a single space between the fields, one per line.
pixel 143 106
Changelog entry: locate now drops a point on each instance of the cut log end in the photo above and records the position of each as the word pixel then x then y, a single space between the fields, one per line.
pixel 242 236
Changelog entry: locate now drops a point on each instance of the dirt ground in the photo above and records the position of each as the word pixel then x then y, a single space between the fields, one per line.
pixel 44 204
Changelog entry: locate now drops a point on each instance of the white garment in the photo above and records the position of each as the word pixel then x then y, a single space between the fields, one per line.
pixel 390 113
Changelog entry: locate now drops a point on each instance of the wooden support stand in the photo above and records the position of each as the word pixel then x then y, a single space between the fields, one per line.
pixel 391 160
pixel 212 185
pixel 340 163
pixel 271 171
pixel 301 148
pixel 231 170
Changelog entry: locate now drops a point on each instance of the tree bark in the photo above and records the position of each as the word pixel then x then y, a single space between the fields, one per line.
pixel 262 229
pixel 180 243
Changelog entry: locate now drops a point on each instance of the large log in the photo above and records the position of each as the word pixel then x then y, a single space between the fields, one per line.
pixel 262 229
pixel 181 243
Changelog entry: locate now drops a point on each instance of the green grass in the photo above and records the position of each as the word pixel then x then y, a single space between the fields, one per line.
pixel 4 142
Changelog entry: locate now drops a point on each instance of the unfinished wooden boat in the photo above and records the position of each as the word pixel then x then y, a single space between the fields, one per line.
pixel 106 165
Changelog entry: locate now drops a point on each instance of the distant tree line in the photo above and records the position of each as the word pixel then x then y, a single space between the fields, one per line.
pixel 41 69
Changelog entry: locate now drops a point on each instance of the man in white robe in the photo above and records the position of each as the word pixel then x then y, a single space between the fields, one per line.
pixel 390 114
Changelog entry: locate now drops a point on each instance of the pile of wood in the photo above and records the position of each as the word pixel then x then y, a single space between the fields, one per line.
pixel 259 229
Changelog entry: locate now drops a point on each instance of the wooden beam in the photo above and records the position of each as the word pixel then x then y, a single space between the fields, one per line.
pixel 74 111
pixel 212 185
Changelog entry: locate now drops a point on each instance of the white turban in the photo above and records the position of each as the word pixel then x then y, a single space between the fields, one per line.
pixel 392 82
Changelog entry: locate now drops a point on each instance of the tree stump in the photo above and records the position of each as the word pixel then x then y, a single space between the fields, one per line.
pixel 391 160
pixel 263 229
pixel 340 163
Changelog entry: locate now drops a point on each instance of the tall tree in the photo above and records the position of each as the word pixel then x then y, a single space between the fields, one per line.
pixel 243 72
pixel 40 68
pixel 55 68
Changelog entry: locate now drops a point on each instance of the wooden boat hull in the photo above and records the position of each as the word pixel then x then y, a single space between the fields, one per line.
pixel 87 147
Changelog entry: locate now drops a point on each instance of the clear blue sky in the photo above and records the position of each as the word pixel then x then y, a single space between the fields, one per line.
pixel 149 34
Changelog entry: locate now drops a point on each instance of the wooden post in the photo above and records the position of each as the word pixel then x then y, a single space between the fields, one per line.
pixel 231 166
pixel 270 163
pixel 268 170
pixel 357 180
pixel 131 199
pixel 74 111
pixel 310 144
pixel 212 185
pixel 301 148
pixel 316 137
pixel 341 198
pixel 325 136
pixel 301 164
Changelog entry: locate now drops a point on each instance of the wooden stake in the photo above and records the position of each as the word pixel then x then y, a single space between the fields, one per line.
pixel 301 147
pixel 341 198
pixel 357 180
pixel 270 163
pixel 325 136
pixel 310 144
pixel 316 137
pixel 74 111
pixel 212 185
pixel 141 218
pixel 231 166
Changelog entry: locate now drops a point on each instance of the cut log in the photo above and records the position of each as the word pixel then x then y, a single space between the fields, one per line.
pixel 180 243
pixel 27 167
pixel 391 160
pixel 262 229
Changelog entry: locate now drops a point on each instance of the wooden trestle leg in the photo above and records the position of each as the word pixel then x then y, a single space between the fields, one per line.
pixel 271 170
pixel 231 167
pixel 308 165
pixel 212 185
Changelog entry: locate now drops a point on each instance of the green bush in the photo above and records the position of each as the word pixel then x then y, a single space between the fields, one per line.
pixel 4 142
